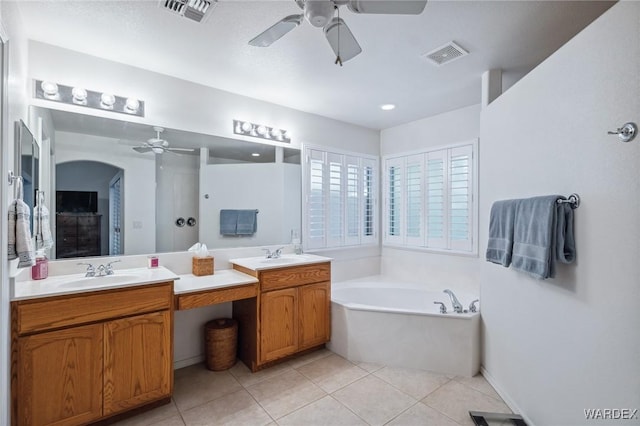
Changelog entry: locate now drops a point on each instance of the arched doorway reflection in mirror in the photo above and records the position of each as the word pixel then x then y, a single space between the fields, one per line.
pixel 89 206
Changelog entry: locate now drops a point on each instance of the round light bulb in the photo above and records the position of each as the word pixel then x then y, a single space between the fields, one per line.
pixel 287 135
pixel 246 126
pixel 49 88
pixel 132 105
pixel 276 134
pixel 79 95
pixel 108 100
pixel 262 130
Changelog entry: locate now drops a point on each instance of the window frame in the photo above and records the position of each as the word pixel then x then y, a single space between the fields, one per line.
pixel 422 242
pixel 345 241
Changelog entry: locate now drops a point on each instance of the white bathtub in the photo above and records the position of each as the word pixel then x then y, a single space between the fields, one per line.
pixel 397 324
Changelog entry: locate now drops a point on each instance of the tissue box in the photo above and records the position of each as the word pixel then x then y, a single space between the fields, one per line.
pixel 202 266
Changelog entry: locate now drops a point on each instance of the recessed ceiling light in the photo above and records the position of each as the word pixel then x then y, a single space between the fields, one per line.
pixel 387 107
pixel 255 154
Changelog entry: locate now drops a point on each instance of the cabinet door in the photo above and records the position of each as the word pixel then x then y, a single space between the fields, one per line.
pixel 138 361
pixel 314 314
pixel 278 324
pixel 60 377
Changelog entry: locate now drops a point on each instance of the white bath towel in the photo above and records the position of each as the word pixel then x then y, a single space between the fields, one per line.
pixel 44 240
pixel 19 233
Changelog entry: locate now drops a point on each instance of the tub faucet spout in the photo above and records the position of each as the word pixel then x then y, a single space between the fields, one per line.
pixel 457 307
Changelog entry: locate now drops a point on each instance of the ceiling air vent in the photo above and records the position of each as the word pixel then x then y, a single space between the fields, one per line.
pixel 445 54
pixel 196 10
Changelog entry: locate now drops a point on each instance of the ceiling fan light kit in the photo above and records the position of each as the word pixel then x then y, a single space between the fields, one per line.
pixel 320 14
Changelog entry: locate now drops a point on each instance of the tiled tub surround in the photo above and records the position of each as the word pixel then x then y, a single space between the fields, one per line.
pixel 321 388
pixel 380 321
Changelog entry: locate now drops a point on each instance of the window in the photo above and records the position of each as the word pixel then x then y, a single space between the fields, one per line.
pixel 429 199
pixel 340 194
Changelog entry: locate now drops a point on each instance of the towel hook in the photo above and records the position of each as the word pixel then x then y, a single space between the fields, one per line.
pixel 13 177
pixel 627 132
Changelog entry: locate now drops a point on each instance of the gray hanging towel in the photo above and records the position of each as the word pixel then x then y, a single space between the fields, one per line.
pixel 247 222
pixel 501 223
pixel 228 222
pixel 541 226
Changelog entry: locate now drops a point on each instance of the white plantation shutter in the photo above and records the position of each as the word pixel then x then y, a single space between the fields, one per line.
pixel 430 199
pixel 394 200
pixel 340 193
pixel 316 214
pixel 369 191
pixel 460 198
pixel 414 206
pixel 436 202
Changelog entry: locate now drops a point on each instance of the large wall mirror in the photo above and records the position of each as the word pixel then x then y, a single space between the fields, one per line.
pixel 119 187
pixel 27 163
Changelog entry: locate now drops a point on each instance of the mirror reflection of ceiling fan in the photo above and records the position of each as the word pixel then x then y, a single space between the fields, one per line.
pixel 158 145
pixel 320 13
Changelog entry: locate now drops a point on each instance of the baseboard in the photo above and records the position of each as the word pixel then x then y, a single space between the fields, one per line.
pixel 505 396
pixel 187 362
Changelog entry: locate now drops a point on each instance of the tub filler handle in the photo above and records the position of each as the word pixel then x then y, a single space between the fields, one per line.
pixel 443 308
pixel 472 306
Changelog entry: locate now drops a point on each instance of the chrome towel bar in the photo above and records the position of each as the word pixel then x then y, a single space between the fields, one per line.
pixel 573 199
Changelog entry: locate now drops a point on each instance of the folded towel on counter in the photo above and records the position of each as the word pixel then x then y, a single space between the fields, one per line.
pixel 43 237
pixel 538 231
pixel 19 232
pixel 247 222
pixel 228 222
pixel 501 223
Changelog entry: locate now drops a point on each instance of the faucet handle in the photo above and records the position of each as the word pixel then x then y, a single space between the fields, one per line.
pixel 108 269
pixel 443 308
pixel 91 270
pixel 472 306
pixel 267 253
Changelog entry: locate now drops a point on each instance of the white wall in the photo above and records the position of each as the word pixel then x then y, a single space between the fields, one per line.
pixel 557 347
pixel 438 270
pixel 14 107
pixel 260 186
pixel 176 196
pixel 139 222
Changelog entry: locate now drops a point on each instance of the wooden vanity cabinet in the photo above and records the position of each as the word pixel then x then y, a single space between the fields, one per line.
pixel 81 358
pixel 291 313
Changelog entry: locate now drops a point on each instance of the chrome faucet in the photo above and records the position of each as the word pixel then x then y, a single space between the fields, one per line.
pixel 472 306
pixel 457 307
pixel 91 270
pixel 106 269
pixel 443 308
pixel 273 254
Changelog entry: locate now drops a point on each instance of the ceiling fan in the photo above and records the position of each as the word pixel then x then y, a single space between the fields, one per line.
pixel 158 145
pixel 320 13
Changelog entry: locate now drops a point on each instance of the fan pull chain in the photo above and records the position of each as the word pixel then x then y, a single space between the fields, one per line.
pixel 338 59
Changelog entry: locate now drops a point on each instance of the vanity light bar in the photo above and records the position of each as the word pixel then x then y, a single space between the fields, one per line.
pixel 80 96
pixel 246 128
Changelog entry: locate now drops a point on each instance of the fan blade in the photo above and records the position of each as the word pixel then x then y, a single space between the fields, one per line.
pixel 342 41
pixel 276 31
pixel 180 149
pixel 141 149
pixel 391 7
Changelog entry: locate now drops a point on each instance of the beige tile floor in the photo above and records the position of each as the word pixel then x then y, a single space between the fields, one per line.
pixel 321 388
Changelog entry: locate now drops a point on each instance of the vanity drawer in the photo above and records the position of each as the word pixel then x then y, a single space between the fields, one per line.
pixel 63 311
pixel 294 276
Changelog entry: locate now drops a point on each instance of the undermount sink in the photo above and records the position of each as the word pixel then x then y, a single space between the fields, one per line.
pixel 261 263
pixel 98 281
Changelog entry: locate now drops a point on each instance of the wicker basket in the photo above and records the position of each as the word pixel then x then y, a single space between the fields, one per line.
pixel 221 343
pixel 202 266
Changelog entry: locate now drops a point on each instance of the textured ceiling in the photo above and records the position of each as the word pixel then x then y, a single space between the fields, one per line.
pixel 298 70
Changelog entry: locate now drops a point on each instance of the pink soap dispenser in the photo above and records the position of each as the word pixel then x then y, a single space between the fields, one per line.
pixel 40 270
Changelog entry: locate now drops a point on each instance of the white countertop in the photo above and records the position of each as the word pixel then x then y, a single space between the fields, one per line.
pixel 190 283
pixel 286 260
pixel 77 283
